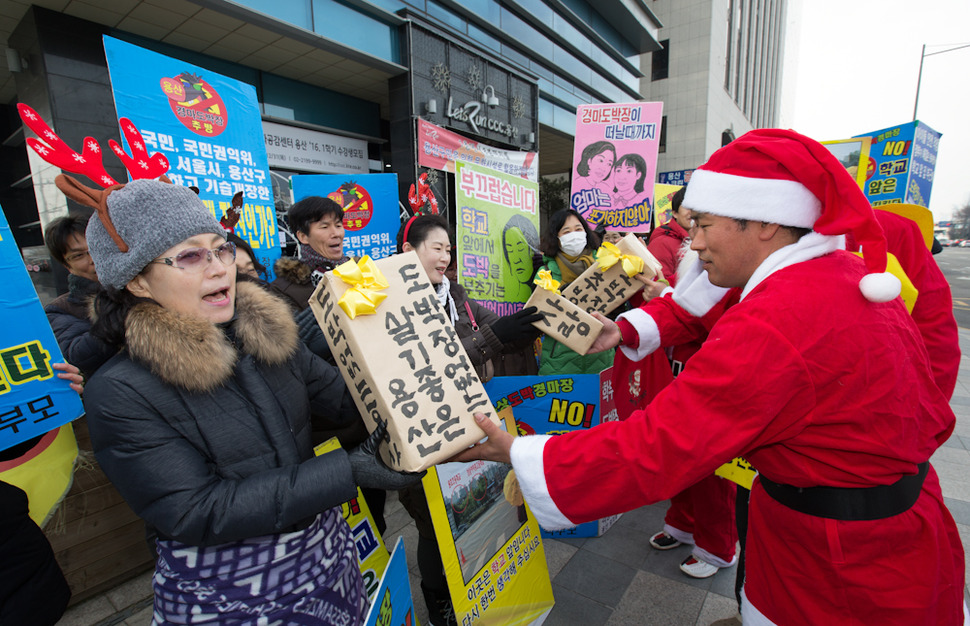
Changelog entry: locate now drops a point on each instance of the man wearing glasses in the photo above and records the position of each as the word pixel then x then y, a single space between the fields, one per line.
pixel 68 314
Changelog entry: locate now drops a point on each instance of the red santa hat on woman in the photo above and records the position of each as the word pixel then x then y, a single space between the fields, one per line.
pixel 781 177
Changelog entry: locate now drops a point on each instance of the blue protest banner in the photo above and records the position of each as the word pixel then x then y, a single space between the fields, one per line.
pixel 676 177
pixel 393 604
pixel 370 204
pixel 33 400
pixel 209 128
pixel 902 162
pixel 551 405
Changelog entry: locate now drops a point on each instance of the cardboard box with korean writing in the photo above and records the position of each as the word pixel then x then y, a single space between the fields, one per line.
pixel 564 321
pixel 602 290
pixel 405 365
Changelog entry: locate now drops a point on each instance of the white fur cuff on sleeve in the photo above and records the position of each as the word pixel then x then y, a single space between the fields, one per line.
pixel 530 472
pixel 647 331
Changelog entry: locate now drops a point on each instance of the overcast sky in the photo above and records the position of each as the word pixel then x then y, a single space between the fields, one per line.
pixel 852 67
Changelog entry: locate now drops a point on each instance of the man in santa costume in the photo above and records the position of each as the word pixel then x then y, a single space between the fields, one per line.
pixel 818 376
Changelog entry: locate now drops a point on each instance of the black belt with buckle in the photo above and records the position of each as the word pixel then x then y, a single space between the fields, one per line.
pixel 851 503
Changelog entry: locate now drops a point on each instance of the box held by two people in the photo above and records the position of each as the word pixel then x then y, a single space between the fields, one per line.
pixel 401 359
pixel 609 281
pixel 561 319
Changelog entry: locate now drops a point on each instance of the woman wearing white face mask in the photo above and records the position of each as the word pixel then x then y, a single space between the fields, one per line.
pixel 568 246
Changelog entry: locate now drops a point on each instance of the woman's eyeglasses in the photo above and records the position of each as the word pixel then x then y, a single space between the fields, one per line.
pixel 194 259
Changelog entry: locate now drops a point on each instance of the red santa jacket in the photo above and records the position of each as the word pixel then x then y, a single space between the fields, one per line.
pixel 665 243
pixel 933 311
pixel 815 386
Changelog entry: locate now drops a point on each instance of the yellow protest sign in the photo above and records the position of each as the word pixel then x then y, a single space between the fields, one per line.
pixel 45 472
pixel 662 194
pixel 489 541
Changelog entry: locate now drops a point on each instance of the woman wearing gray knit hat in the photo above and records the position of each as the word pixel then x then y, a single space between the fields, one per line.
pixel 202 421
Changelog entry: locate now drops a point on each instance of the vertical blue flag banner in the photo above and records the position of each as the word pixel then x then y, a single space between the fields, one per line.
pixel 370 204
pixel 552 405
pixel 33 400
pixel 902 162
pixel 209 128
pixel 393 604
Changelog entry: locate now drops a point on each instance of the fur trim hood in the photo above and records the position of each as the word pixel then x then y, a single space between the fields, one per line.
pixel 196 355
pixel 293 270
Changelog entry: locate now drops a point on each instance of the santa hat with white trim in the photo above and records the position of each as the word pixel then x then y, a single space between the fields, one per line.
pixel 781 177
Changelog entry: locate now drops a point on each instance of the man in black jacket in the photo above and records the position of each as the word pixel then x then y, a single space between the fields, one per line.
pixel 68 314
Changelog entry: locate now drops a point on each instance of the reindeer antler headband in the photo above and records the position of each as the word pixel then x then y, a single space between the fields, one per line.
pixel 55 151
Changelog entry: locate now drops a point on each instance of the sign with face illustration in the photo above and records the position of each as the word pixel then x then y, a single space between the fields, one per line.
pixel 615 164
pixel 498 236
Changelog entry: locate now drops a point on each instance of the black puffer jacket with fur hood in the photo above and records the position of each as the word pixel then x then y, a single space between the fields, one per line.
pixel 205 430
pixel 293 282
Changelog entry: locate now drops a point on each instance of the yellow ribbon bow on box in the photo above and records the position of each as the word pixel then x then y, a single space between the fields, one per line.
pixel 365 282
pixel 609 255
pixel 545 280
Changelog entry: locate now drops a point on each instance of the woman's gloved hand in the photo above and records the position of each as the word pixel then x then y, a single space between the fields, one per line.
pixel 517 327
pixel 370 472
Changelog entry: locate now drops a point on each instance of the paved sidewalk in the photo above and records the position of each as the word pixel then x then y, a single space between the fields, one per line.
pixel 616 579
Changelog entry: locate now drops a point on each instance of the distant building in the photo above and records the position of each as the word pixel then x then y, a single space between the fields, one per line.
pixel 718 75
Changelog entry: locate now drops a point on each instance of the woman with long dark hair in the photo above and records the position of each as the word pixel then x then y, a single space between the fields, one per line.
pixel 568 246
pixel 485 336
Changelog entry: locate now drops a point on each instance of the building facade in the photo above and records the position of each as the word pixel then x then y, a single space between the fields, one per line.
pixel 350 68
pixel 718 75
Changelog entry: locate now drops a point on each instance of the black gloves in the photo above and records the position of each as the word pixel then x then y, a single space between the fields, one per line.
pixel 370 472
pixel 312 335
pixel 518 326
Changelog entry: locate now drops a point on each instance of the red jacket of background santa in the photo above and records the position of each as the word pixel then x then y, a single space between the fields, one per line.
pixel 664 245
pixel 933 312
pixel 815 386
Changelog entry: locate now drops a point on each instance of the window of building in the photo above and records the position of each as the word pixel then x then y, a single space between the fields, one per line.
pixel 661 61
pixel 663 134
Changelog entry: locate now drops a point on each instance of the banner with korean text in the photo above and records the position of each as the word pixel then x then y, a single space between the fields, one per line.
pixel 675 177
pixel 489 541
pixel 552 405
pixel 305 150
pixel 369 201
pixel 33 401
pixel 440 149
pixel 208 126
pixel 615 164
pixel 902 163
pixel 498 236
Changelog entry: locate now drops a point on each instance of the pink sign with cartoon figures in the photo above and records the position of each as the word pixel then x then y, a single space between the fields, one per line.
pixel 615 164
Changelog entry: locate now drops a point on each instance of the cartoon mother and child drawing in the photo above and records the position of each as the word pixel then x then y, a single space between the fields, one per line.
pixel 623 179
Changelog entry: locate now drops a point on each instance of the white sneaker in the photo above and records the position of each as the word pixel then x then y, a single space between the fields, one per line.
pixel 695 568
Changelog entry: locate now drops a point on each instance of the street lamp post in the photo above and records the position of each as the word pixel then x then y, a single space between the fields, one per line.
pixel 919 78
